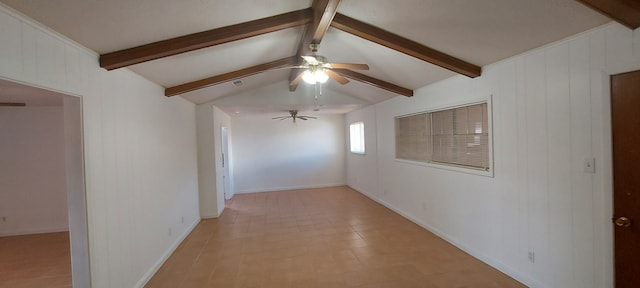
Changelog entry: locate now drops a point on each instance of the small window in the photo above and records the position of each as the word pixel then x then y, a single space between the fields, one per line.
pixel 457 136
pixel 357 137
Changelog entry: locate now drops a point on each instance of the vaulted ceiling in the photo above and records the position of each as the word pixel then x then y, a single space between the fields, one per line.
pixel 196 49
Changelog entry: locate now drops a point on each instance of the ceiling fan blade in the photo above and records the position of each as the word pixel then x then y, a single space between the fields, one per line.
pixel 290 67
pixel 352 66
pixel 296 80
pixel 336 76
pixel 281 117
pixel 311 60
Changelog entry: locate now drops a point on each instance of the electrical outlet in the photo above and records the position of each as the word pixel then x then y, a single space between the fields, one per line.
pixel 532 257
pixel 4 218
pixel 590 165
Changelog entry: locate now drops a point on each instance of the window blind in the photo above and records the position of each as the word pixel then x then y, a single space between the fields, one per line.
pixel 457 136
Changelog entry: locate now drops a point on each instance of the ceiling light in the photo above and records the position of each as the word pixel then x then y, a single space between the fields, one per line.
pixel 321 76
pixel 312 76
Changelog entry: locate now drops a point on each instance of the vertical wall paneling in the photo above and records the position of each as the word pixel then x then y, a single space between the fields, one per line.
pixel 139 150
pixel 559 168
pixel 601 149
pixel 537 162
pixel 74 71
pixel 582 247
pixel 11 45
pixel 523 204
pixel 506 164
pixel 551 112
pixel 97 190
pixel 50 55
pixel 29 51
pixel 76 192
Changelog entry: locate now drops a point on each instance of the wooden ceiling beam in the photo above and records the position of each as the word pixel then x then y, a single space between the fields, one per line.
pixel 375 82
pixel 214 80
pixel 404 45
pixel 169 47
pixel 625 12
pixel 323 13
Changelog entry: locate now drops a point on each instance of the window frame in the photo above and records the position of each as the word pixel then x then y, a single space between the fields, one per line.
pixel 362 140
pixel 448 166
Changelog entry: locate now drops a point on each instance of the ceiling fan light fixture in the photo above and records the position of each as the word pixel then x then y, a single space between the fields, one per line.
pixel 321 76
pixel 312 76
pixel 308 77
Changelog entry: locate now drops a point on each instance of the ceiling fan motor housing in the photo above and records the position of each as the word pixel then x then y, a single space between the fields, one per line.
pixel 314 47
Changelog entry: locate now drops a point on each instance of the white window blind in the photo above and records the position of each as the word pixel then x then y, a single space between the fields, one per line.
pixel 412 137
pixel 457 136
pixel 357 137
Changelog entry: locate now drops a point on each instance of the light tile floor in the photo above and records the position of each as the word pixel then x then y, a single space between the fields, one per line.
pixel 40 260
pixel 330 237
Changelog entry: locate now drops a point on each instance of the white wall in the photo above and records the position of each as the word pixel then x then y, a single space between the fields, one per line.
pixel 210 119
pixel 140 151
pixel 550 112
pixel 33 193
pixel 76 194
pixel 360 168
pixel 208 199
pixel 222 119
pixel 278 155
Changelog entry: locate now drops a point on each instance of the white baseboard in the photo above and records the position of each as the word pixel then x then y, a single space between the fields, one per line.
pixel 271 189
pixel 209 216
pixel 147 276
pixel 484 258
pixel 34 231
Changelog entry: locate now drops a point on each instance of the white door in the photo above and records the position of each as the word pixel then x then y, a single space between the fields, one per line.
pixel 228 193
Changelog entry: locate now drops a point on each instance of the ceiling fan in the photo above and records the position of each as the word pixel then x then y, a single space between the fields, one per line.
pixel 318 69
pixel 293 114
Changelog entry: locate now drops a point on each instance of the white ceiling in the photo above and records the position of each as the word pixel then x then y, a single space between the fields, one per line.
pixel 479 32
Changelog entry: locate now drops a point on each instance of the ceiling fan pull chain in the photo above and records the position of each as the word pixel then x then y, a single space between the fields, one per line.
pixel 315 91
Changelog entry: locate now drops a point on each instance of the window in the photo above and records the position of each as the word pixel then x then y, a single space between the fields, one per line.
pixel 357 137
pixel 457 136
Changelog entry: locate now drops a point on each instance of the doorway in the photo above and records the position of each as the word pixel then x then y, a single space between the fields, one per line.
pixel 43 105
pixel 625 128
pixel 226 185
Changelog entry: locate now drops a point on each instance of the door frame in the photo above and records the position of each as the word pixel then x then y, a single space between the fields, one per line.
pixel 608 189
pixel 602 149
pixel 76 182
pixel 226 171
